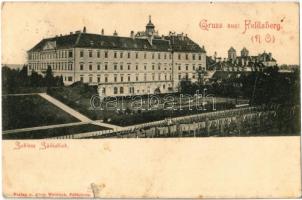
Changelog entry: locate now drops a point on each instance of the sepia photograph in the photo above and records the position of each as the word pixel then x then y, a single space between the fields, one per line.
pixel 98 83
pixel 151 73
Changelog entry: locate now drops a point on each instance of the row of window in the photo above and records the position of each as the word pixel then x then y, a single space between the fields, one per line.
pixel 193 67
pixel 54 66
pixel 51 55
pixel 68 78
pixel 127 78
pixel 97 54
pixel 131 90
pixel 137 55
pixel 121 67
pixel 185 76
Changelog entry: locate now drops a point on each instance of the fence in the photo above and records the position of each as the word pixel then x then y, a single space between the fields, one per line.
pixel 238 121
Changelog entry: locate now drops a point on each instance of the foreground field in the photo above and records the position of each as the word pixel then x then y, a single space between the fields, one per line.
pixel 54 132
pixel 29 111
pixel 123 113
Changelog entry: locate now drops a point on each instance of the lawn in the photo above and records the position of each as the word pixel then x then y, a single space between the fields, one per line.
pixel 123 113
pixel 54 132
pixel 31 110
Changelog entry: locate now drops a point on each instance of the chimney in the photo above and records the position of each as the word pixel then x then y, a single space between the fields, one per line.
pixel 84 29
pixel 270 56
pixel 115 33
pixel 132 34
pixel 102 32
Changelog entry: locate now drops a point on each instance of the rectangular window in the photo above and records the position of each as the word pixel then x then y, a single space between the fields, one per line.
pixel 81 53
pixel 99 67
pixel 98 54
pixel 145 55
pixel 199 57
pixel 70 54
pixel 179 67
pixel 122 79
pixel 193 56
pixel 81 67
pixel 145 67
pixel 179 56
pixel 106 54
pixel 152 55
pixel 187 67
pixel 90 53
pixel 115 78
pixel 193 67
pixel 165 56
pixel 90 79
pixel 106 66
pixel 90 67
pixel 129 79
pixel 128 54
pixel 82 79
pixel 152 66
pixel 179 76
pixel 99 79
pixel 128 66
pixel 121 55
pixel 136 78
pixel 158 55
pixel 136 55
pixel 115 66
pixel 159 77
pixel 106 79
pixel 136 67
pixel 121 66
pixel 115 54
pixel 187 56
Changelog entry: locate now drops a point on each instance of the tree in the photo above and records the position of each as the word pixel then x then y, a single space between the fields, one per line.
pixel 49 79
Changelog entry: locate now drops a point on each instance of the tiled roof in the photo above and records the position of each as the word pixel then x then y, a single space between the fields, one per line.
pixel 62 42
pixel 222 75
pixel 184 44
pixel 88 40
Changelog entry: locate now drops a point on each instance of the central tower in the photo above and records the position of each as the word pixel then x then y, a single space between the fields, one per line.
pixel 150 27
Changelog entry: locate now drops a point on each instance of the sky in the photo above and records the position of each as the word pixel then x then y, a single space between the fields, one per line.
pixel 25 24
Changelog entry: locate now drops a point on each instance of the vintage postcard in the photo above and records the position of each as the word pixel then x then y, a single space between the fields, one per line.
pixel 151 100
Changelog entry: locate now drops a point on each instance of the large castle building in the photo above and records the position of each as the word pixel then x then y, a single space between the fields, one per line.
pixel 243 62
pixel 144 63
